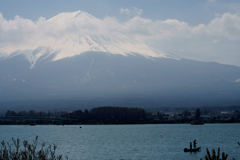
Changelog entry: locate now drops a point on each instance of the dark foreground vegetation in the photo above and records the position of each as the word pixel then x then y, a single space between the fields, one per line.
pixel 216 156
pixel 124 115
pixel 28 151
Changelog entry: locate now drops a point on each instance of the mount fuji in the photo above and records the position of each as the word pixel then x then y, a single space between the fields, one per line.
pixel 90 69
pixel 70 45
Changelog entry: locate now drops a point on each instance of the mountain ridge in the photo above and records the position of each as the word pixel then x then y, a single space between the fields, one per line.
pixel 97 74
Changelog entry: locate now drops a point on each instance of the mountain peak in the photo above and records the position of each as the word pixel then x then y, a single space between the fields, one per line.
pixel 64 16
pixel 72 33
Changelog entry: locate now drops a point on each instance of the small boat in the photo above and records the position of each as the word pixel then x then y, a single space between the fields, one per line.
pixel 192 150
pixel 32 123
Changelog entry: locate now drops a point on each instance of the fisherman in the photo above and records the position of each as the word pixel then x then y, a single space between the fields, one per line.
pixel 190 145
pixel 194 143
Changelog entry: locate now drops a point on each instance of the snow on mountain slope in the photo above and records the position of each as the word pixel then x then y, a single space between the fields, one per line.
pixel 74 43
pixel 115 44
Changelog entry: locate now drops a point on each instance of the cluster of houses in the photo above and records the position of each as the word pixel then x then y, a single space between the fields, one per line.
pixel 190 116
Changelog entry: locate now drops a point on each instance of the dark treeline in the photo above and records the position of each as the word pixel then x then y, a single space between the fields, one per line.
pixel 124 115
pixel 108 113
pixel 100 115
pixel 30 113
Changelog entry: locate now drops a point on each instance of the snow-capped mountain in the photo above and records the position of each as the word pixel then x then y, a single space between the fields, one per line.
pixel 74 44
pixel 102 68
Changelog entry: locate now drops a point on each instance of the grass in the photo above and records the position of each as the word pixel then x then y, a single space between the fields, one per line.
pixel 29 151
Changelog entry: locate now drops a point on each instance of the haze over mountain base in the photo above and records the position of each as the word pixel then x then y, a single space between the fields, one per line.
pixel 94 79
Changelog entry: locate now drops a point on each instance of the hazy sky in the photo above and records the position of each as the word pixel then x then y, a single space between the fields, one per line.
pixel 205 30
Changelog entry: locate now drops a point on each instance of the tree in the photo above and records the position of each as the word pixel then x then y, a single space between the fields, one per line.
pixel 10 113
pixel 31 113
pixel 197 114
pixel 49 114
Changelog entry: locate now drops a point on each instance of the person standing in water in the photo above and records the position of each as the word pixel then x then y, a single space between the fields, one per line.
pixel 190 145
pixel 194 143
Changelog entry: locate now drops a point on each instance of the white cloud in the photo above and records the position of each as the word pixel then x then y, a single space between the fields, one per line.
pixel 227 26
pixel 216 41
pixel 217 15
pixel 237 81
pixel 133 11
pixel 20 30
pixel 125 11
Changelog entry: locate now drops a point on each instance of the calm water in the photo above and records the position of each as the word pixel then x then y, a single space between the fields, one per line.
pixel 131 142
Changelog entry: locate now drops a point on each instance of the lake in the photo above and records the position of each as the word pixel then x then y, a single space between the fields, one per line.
pixel 130 142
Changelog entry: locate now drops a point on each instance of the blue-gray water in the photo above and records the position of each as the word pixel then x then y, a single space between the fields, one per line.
pixel 131 142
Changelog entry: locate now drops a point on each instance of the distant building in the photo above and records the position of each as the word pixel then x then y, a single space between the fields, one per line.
pixel 224 112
